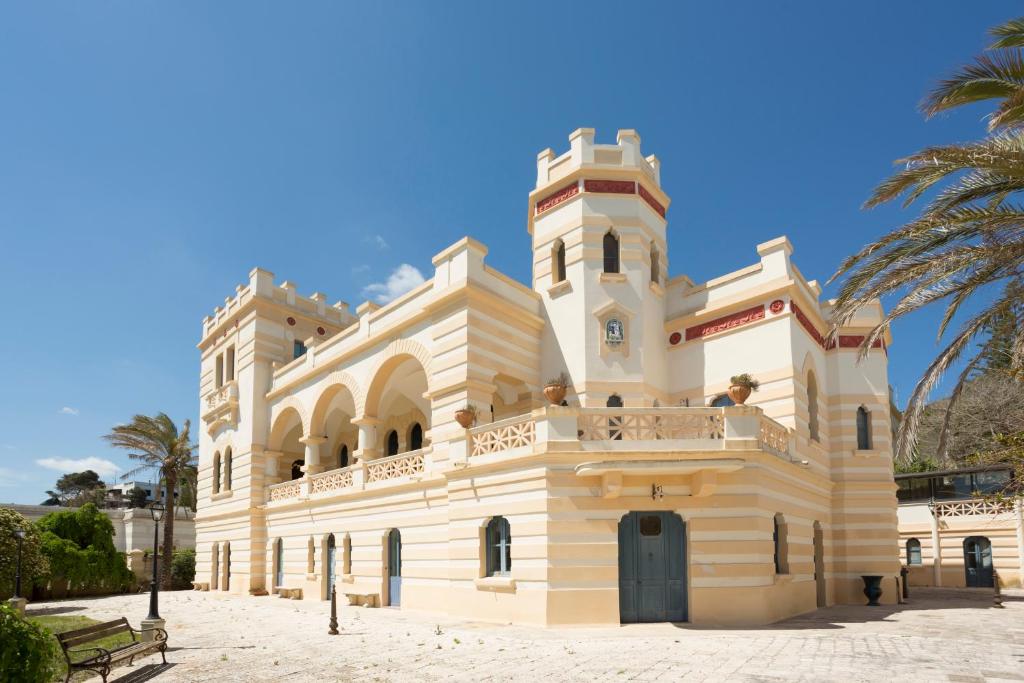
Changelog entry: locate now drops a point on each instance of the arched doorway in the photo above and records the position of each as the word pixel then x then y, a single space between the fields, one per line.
pixel 278 563
pixel 394 568
pixel 329 569
pixel 652 567
pixel 819 564
pixel 978 562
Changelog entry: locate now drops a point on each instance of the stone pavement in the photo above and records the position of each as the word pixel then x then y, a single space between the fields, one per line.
pixel 942 635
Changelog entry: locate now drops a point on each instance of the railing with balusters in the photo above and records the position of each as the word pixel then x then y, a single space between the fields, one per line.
pixel 976 506
pixel 650 424
pixel 334 480
pixel 284 490
pixel 395 466
pixel 773 436
pixel 503 435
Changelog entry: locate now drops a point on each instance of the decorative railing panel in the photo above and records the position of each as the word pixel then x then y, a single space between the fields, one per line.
pixel 503 435
pixel 650 424
pixel 774 436
pixel 325 482
pixel 975 506
pixel 285 490
pixel 401 465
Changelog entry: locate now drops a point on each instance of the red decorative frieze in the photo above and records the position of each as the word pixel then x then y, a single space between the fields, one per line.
pixel 852 341
pixel 558 197
pixel 807 324
pixel 649 198
pixel 675 338
pixel 777 306
pixel 610 186
pixel 725 323
pixel 843 341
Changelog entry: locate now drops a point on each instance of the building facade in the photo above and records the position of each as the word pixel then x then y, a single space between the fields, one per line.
pixel 955 531
pixel 330 453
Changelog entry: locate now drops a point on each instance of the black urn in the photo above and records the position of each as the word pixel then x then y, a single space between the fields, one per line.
pixel 872 589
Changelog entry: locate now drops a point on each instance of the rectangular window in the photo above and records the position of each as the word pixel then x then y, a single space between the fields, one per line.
pixel 229 363
pixel 218 373
pixel 298 349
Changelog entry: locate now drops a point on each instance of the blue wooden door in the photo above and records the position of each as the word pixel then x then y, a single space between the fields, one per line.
pixel 394 568
pixel 330 564
pixel 652 567
pixel 978 562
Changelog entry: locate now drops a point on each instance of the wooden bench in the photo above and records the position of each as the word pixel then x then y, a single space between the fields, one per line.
pixel 103 658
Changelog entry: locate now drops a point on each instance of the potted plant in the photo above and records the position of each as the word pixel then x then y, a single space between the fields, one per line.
pixel 740 387
pixel 555 388
pixel 466 415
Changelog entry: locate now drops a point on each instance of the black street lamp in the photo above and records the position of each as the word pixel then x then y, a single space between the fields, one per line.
pixel 20 535
pixel 157 510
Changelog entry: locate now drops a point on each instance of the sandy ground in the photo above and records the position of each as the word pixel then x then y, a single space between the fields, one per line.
pixel 940 636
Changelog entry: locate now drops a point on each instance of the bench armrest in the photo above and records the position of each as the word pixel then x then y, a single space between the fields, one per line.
pixel 104 653
pixel 160 634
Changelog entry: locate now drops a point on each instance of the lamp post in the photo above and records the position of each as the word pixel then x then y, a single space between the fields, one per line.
pixel 153 621
pixel 17 602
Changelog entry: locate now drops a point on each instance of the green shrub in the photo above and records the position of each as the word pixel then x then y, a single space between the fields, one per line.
pixel 29 652
pixel 183 568
pixel 34 567
pixel 79 546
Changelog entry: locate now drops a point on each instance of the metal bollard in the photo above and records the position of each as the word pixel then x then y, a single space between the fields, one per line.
pixel 904 573
pixel 333 630
pixel 997 596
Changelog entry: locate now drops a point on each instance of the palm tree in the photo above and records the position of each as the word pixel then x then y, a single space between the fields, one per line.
pixel 967 245
pixel 157 442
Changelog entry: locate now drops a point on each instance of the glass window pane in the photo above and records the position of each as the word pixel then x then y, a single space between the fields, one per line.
pixel 650 525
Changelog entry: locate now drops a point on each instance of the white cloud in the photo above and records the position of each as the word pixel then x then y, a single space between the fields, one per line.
pixel 67 410
pixel 404 278
pixel 378 241
pixel 101 466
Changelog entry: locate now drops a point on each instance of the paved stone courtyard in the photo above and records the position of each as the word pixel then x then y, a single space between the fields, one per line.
pixel 940 636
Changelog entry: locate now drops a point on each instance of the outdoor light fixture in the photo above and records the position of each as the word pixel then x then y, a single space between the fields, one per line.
pixel 157 511
pixel 20 535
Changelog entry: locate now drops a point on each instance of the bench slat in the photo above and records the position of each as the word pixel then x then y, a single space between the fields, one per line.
pixel 96 635
pixel 91 629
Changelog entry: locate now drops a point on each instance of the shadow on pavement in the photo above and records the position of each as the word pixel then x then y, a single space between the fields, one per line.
pixel 143 673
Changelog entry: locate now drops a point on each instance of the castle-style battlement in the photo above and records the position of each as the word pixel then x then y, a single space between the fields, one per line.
pixel 625 154
pixel 261 285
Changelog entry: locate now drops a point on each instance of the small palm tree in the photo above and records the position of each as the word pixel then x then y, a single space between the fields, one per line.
pixel 157 442
pixel 968 242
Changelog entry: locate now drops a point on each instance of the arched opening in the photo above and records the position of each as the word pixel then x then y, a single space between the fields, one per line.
pixel 332 417
pixel 498 547
pixel 978 562
pixel 558 262
pixel 722 401
pixel 863 429
pixel 215 567
pixel 343 456
pixel 781 544
pixel 216 472
pixel 415 437
pixel 614 421
pixel 278 563
pixel 913 551
pixel 330 556
pixel 227 468
pixel 819 565
pixel 394 568
pixel 285 448
pixel 611 252
pixel 655 264
pixel 812 406
pixel 226 583
pixel 652 567
pixel 396 399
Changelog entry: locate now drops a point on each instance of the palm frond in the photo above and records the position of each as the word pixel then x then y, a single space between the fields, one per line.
pixel 1010 34
pixel 991 76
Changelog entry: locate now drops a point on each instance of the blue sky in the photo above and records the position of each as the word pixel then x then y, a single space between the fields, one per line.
pixel 152 153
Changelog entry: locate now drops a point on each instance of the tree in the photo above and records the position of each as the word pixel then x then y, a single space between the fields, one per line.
pixel 968 242
pixel 79 547
pixel 137 497
pixel 76 488
pixel 158 444
pixel 33 564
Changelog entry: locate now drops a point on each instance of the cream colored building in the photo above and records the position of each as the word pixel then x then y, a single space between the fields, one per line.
pixel 330 451
pixel 954 533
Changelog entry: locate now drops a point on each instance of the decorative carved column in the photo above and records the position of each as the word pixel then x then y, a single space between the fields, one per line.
pixel 313 443
pixel 367 438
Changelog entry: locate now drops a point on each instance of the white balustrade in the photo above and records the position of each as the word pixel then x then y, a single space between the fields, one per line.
pixel 401 465
pixel 503 435
pixel 650 424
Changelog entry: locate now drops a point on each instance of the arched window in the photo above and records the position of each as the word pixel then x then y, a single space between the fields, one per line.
pixel 611 252
pixel 722 401
pixel 913 551
pixel 614 421
pixel 781 546
pixel 297 469
pixel 655 265
pixel 216 472
pixel 416 436
pixel 498 541
pixel 812 407
pixel 343 456
pixel 279 563
pixel 558 262
pixel 863 429
pixel 227 469
pixel 392 442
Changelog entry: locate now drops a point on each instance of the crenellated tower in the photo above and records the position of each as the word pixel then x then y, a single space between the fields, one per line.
pixel 600 259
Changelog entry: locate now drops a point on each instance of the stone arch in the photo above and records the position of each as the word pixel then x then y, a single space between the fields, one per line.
pixel 292 403
pixel 394 355
pixel 333 384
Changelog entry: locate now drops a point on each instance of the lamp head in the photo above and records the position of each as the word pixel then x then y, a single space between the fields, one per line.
pixel 19 534
pixel 157 510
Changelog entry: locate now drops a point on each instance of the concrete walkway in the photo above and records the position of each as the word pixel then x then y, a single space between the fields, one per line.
pixel 942 635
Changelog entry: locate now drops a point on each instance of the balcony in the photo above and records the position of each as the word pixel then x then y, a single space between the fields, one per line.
pixel 404 467
pixel 220 407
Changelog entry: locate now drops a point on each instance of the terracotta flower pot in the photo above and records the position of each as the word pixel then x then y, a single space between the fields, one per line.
pixel 555 393
pixel 465 417
pixel 739 394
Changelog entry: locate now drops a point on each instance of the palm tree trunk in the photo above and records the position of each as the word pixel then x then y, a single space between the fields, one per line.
pixel 168 553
